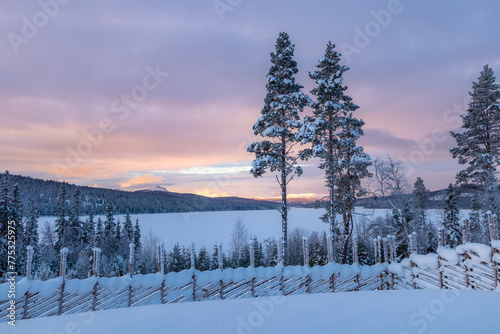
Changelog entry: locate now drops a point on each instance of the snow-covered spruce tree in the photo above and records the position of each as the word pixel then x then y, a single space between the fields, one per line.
pixel 31 232
pixel 61 223
pixel 5 217
pixel 451 221
pixel 214 259
pixel 478 146
pixel 137 236
pixel 74 240
pixel 47 255
pixel 333 132
pixel 426 233
pixel 99 234
pixel 17 216
pixel 420 202
pixel 203 260
pixel 279 122
pixel 128 229
pixel 109 246
pixel 259 253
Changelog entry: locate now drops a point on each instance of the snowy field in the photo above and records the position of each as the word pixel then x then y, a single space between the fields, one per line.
pixel 387 312
pixel 206 228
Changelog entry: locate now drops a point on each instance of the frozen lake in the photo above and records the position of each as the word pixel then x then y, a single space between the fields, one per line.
pixel 206 228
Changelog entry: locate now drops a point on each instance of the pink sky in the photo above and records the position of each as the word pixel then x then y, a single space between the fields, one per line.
pixel 93 79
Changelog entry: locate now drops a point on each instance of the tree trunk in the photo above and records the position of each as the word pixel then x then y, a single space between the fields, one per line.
pixel 284 205
pixel 332 196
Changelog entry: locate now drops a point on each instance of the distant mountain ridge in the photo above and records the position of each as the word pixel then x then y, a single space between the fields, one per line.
pixel 154 188
pixel 156 199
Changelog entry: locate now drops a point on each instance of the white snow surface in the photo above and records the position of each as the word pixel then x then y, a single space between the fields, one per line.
pixel 207 228
pixel 401 312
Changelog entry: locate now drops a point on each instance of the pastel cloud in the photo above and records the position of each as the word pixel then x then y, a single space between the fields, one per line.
pixel 141 180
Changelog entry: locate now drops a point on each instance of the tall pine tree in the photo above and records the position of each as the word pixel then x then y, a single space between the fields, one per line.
pixel 451 222
pixel 478 146
pixel 62 228
pixel 333 132
pixel 278 122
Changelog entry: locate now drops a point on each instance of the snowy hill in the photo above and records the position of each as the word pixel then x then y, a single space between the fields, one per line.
pixel 154 188
pixel 410 311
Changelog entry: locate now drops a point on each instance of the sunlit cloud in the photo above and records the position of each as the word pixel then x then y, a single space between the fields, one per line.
pixel 140 180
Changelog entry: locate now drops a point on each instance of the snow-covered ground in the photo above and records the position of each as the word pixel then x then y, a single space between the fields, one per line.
pixel 206 228
pixel 401 312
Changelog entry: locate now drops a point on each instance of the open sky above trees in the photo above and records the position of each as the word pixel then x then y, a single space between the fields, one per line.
pixel 412 66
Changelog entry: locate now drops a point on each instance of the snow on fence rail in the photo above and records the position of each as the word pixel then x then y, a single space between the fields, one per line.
pixel 58 296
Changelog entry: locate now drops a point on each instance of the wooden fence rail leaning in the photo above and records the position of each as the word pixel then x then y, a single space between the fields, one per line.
pixel 469 266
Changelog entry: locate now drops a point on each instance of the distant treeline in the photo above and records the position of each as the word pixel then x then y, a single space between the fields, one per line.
pixel 436 201
pixel 45 192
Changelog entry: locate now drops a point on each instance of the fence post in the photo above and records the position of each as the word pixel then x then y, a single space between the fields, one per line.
pixel 441 241
pixel 379 248
pixel 386 249
pixel 96 261
pixel 331 247
pixel 413 242
pixel 94 297
pixel 64 257
pixel 26 301
pixel 193 253
pixel 332 282
pixel 131 267
pixel 413 249
pixel 465 232
pixel 96 252
pixel 495 267
pixel 375 249
pixel 306 251
pixel 355 248
pixel 62 273
pixel 131 255
pixel 29 259
pixel 219 256
pixel 161 257
pixel 251 247
pixel 492 222
pixel 495 227
pixel 221 265
pixel 162 292
pixel 392 247
pixel 253 287
pixel 194 287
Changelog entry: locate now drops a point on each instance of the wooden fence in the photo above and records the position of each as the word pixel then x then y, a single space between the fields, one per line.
pixel 58 296
pixel 473 266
